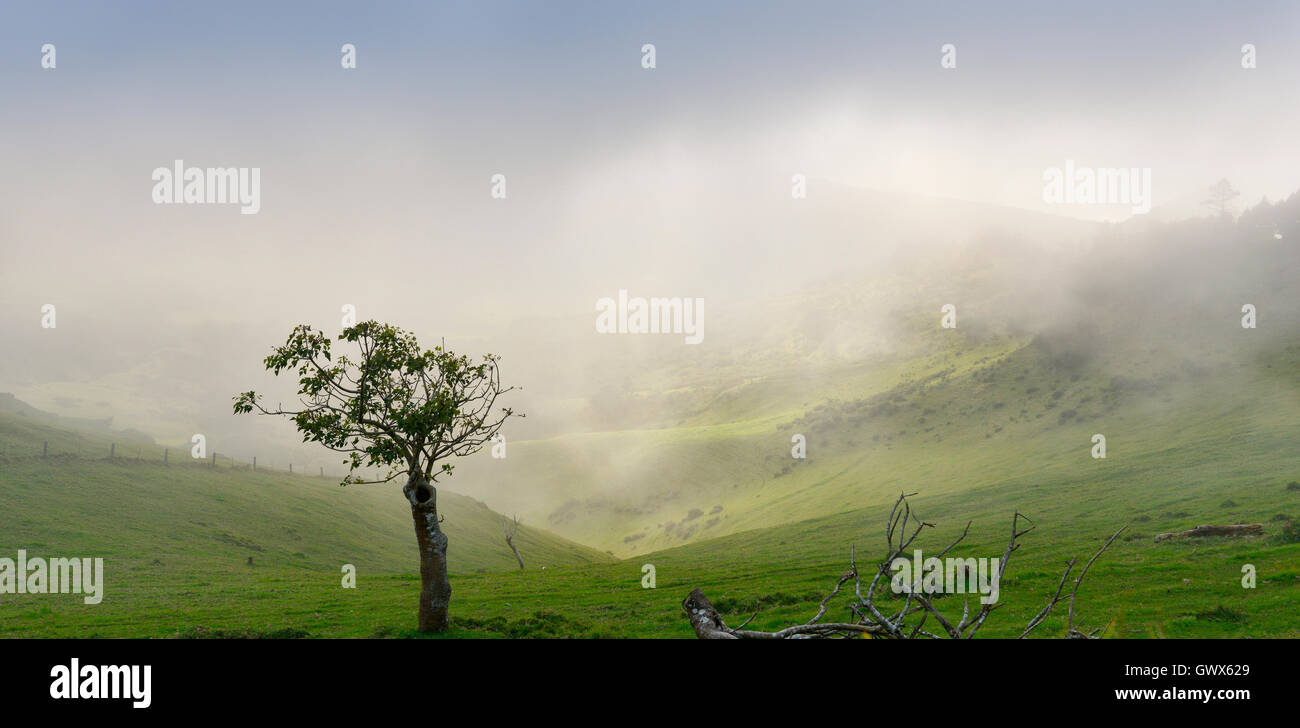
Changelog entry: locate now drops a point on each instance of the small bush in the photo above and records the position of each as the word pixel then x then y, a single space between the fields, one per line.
pixel 1222 614
pixel 1290 533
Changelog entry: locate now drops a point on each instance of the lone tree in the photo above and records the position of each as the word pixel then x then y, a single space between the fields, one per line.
pixel 1221 197
pixel 398 408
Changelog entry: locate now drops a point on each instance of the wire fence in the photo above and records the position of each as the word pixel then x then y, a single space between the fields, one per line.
pixel 147 454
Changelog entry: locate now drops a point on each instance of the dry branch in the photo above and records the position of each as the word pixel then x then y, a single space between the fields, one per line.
pixel 907 621
pixel 510 531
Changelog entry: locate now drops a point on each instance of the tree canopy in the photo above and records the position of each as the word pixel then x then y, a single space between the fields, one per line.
pixel 392 405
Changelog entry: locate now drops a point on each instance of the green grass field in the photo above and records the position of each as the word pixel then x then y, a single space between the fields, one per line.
pixel 203 587
pixel 1199 415
pixel 978 435
pixel 176 540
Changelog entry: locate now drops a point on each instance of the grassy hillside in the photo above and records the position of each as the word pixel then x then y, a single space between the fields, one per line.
pixel 1138 589
pixel 1143 344
pixel 149 520
pixel 195 517
pixel 176 538
pixel 1139 339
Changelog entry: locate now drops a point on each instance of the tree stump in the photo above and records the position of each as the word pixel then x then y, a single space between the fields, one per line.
pixel 1241 529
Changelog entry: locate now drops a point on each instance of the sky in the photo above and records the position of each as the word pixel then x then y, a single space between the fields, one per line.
pixel 675 180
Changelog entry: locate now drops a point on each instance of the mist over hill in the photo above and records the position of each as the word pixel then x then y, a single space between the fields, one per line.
pixel 632 441
pixel 166 360
pixel 659 312
pixel 1138 327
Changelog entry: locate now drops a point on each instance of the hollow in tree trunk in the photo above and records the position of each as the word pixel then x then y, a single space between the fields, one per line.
pixel 435 588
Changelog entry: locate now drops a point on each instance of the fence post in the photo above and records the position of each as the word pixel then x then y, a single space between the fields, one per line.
pixel 291 468
pixel 322 471
pixel 111 450
pixel 254 462
pixel 45 449
pixel 214 458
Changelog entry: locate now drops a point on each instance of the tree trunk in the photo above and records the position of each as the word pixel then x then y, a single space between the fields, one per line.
pixel 510 541
pixel 435 588
pixel 705 620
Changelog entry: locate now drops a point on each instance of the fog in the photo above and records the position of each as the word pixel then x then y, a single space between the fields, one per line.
pixel 924 186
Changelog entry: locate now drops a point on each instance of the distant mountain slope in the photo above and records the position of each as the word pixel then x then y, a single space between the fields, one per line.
pixel 1136 336
pixel 144 515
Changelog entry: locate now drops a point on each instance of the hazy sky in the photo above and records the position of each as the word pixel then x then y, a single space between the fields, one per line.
pixel 676 180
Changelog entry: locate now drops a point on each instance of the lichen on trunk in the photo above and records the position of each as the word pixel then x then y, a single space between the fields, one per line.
pixel 435 587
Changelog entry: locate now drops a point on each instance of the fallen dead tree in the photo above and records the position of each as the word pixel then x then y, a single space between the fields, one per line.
pixel 910 620
pixel 1240 529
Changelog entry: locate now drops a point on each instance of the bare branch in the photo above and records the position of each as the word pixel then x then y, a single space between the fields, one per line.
pixel 902 528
